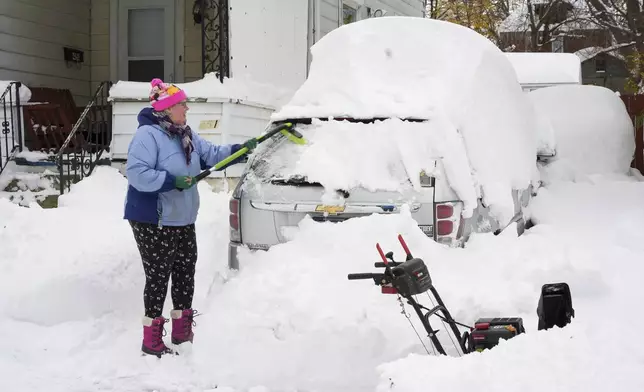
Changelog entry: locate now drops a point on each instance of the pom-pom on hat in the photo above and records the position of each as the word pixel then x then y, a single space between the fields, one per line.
pixel 164 95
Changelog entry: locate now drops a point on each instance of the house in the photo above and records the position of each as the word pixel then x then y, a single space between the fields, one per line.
pixel 604 68
pixel 70 53
pixel 561 27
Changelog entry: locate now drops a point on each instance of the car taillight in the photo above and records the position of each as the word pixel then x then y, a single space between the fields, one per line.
pixel 444 227
pixel 233 220
pixel 449 222
pixel 444 211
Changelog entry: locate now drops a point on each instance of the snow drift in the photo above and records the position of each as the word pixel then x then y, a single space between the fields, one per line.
pixel 71 301
pixel 211 89
pixel 405 67
pixel 591 130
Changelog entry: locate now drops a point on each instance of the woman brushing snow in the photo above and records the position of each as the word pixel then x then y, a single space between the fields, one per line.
pixel 162 205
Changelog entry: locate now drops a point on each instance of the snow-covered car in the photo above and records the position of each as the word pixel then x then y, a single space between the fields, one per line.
pixel 583 131
pixel 398 113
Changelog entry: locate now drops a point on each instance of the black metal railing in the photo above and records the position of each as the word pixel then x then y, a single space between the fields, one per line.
pixel 92 135
pixel 11 125
pixel 214 38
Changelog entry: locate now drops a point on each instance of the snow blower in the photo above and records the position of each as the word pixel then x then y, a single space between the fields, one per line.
pixel 409 278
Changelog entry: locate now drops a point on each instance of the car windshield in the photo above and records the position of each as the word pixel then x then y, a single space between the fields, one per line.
pixel 347 154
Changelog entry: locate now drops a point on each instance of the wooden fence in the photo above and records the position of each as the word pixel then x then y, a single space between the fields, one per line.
pixel 635 107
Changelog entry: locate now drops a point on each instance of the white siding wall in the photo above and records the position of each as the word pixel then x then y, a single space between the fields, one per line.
pixel 398 7
pixel 100 43
pixel 32 36
pixel 328 11
pixel 192 45
pixel 328 17
pixel 268 41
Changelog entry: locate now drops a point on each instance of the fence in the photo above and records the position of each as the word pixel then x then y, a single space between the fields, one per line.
pixel 635 107
pixel 88 141
pixel 11 123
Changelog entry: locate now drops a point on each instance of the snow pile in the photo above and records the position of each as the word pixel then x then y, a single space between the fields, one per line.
pixel 603 269
pixel 407 67
pixel 82 262
pixel 26 189
pixel 71 299
pixel 211 89
pixel 546 143
pixel 25 93
pixel 546 68
pixel 344 155
pixel 592 131
pixel 34 156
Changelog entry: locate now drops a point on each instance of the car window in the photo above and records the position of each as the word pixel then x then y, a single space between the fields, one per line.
pixel 338 154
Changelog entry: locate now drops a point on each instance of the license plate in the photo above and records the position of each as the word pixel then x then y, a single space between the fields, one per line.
pixel 329 209
pixel 427 229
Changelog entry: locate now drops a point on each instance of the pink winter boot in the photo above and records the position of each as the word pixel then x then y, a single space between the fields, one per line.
pixel 182 323
pixel 153 333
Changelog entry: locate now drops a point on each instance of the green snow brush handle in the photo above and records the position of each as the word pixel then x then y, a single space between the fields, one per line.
pixel 286 129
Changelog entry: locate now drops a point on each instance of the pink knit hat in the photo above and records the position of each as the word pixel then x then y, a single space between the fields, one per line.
pixel 163 95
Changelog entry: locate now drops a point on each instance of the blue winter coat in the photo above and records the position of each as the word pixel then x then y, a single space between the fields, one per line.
pixel 155 158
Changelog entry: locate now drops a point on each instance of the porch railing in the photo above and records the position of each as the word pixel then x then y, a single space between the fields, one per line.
pixel 11 123
pixel 77 160
pixel 215 52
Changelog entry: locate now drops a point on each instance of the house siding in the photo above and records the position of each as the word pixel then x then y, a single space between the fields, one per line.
pixel 32 36
pixel 398 7
pixel 329 10
pixel 100 43
pixel 192 46
pixel 329 16
pixel 614 78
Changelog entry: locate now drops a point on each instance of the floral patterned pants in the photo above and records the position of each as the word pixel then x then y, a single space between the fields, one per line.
pixel 170 251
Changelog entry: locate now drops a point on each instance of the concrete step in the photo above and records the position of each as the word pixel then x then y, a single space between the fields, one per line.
pixel 26 188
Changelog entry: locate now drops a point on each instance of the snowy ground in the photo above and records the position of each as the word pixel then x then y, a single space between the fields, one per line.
pixel 71 283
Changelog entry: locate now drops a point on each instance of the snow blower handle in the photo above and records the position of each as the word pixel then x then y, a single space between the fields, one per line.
pixel 405 248
pixel 362 276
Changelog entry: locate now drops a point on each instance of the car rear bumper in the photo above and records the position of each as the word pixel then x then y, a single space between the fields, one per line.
pixel 233 261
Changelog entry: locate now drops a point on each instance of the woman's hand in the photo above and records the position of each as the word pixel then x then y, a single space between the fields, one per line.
pixel 183 182
pixel 250 144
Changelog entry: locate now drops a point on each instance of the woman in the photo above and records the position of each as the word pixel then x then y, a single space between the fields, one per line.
pixel 162 205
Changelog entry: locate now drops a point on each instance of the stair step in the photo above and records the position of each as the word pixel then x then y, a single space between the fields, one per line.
pixel 25 188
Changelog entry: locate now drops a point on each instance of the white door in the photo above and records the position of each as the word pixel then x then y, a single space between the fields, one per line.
pixel 146 40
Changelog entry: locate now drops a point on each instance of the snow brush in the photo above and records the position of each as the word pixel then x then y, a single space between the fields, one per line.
pixel 285 129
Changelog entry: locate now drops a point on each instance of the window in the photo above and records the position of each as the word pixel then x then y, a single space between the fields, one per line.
pixel 145 40
pixel 349 14
pixel 146 48
pixel 600 65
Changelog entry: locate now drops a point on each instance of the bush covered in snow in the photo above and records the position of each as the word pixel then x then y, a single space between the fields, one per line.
pixel 590 130
pixel 402 67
